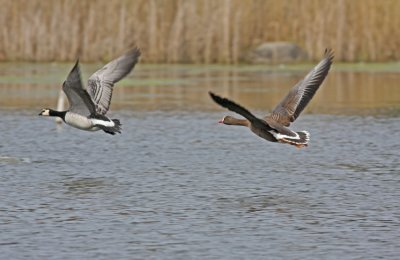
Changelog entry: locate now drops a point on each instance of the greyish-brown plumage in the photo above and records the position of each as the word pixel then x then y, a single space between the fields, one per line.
pixel 274 127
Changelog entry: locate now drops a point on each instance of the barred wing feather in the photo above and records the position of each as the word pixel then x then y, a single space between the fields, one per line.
pixel 300 95
pixel 100 84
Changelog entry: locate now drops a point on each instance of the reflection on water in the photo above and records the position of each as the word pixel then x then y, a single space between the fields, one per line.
pixel 12 160
pixel 88 185
pixel 177 185
pixel 177 87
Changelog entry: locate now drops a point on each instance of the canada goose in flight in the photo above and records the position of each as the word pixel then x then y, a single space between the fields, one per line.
pixel 274 127
pixel 88 106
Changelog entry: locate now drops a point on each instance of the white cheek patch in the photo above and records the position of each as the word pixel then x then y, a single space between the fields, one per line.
pixel 46 113
pixel 102 122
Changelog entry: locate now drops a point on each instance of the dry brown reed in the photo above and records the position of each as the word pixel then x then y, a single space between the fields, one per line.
pixel 196 31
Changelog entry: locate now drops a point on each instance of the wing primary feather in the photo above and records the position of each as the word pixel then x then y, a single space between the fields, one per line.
pixel 79 99
pixel 232 106
pixel 101 83
pixel 313 81
pixel 300 95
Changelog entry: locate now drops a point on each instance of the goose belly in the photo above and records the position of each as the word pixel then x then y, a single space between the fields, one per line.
pixel 80 122
pixel 263 134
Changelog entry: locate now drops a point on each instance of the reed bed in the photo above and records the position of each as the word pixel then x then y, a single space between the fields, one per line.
pixel 196 31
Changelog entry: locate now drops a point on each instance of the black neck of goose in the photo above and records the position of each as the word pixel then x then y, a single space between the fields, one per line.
pixel 58 113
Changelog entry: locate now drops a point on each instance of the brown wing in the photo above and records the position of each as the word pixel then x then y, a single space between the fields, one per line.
pixel 298 97
pixel 100 84
pixel 232 106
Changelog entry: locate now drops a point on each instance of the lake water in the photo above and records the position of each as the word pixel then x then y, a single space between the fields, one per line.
pixel 177 185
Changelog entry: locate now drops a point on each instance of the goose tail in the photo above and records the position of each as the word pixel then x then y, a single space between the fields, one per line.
pixel 117 126
pixel 300 141
pixel 112 130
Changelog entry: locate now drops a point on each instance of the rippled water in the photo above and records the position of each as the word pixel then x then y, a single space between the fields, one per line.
pixel 177 185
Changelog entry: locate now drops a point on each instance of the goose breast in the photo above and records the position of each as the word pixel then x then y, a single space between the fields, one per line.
pixel 79 121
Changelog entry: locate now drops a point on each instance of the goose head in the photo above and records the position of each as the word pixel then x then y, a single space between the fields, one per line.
pixel 45 112
pixel 230 120
pixel 226 120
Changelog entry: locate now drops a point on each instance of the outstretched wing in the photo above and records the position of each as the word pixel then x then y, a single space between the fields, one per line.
pixel 232 106
pixel 100 84
pixel 298 97
pixel 79 100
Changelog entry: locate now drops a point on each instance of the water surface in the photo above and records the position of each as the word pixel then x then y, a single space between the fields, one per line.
pixel 177 185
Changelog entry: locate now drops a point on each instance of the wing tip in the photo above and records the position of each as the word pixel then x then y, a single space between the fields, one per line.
pixel 76 66
pixel 134 52
pixel 221 101
pixel 75 69
pixel 329 54
pixel 215 97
